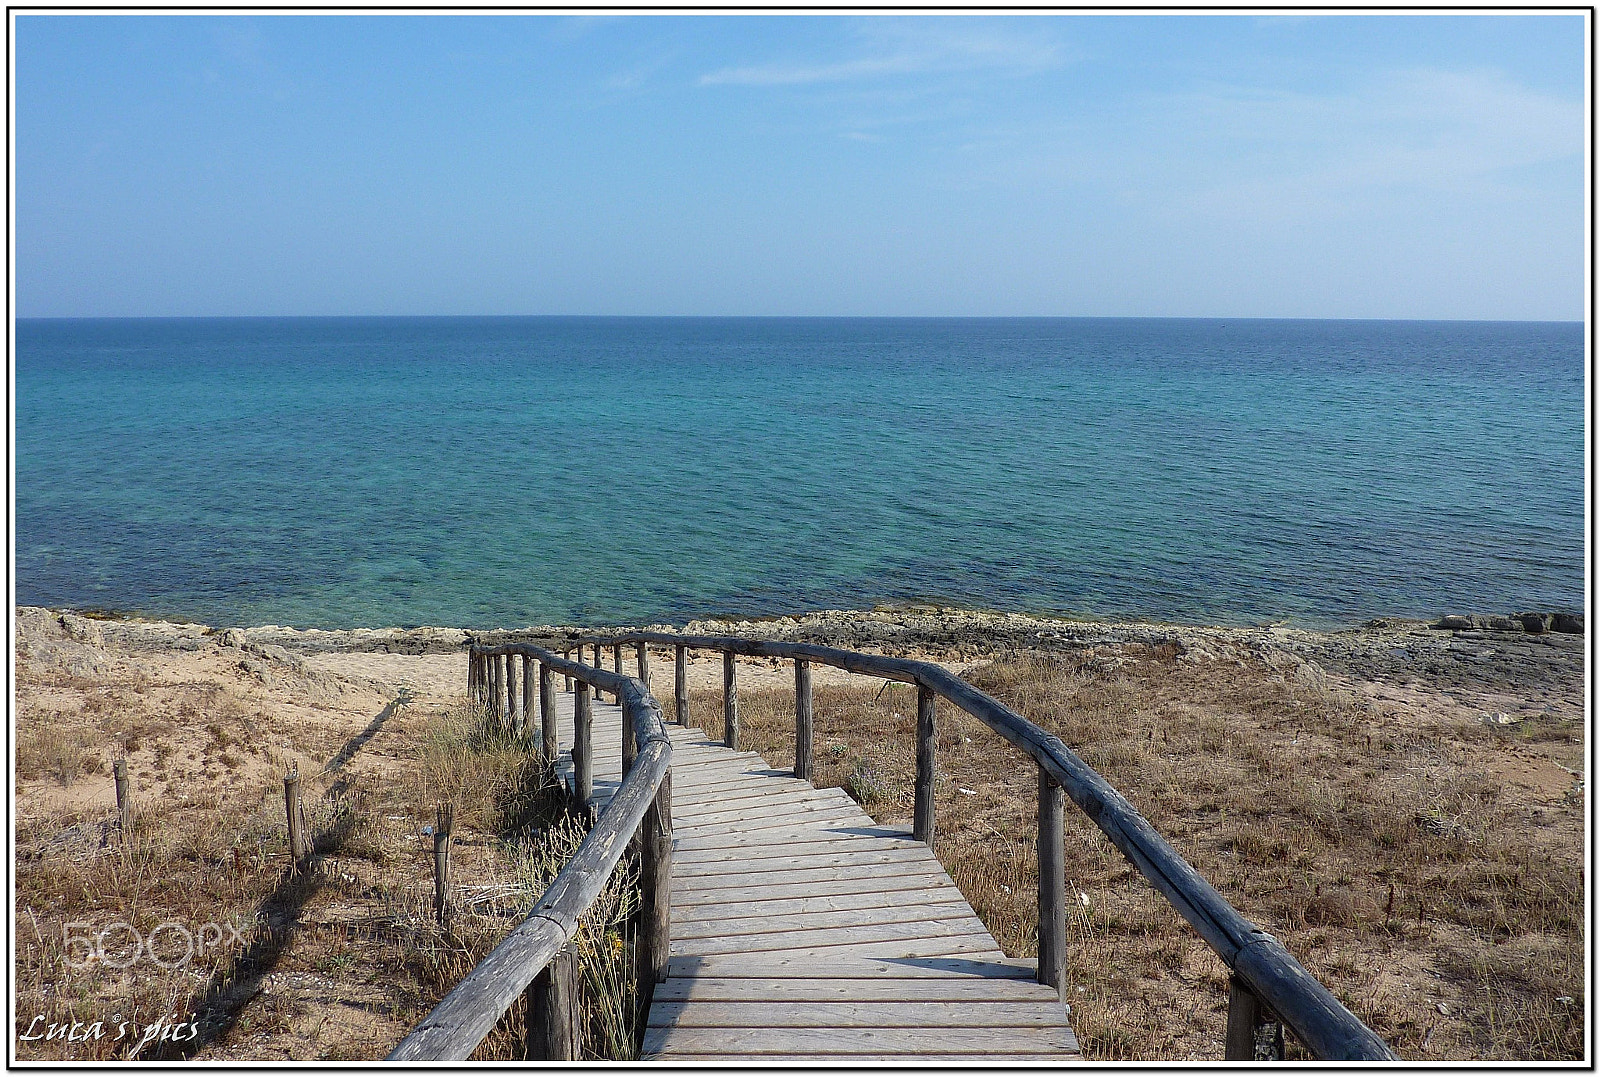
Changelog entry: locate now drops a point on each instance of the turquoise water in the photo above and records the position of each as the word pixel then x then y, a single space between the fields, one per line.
pixel 506 471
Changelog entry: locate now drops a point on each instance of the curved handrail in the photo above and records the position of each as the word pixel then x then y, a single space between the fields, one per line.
pixel 1321 1022
pixel 465 1016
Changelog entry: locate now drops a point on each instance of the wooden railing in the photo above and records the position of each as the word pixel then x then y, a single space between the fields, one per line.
pixel 537 962
pixel 1269 990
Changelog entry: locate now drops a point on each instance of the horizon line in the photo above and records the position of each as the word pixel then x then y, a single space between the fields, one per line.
pixel 795 317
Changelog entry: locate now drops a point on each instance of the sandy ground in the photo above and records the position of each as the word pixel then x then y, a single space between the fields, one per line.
pixel 200 712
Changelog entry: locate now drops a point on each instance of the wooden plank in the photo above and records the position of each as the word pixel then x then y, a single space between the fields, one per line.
pixel 954 924
pixel 859 1014
pixel 812 904
pixel 795 826
pixel 799 793
pixel 976 945
pixel 837 852
pixel 837 1041
pixel 905 968
pixel 757 896
pixel 903 989
pixel 787 830
pixel 688 874
pixel 711 815
pixel 797 924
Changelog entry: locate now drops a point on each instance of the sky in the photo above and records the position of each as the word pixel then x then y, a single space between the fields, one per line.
pixel 1343 166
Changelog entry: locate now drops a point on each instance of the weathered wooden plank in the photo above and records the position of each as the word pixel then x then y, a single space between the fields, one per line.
pixel 820 823
pixel 764 838
pixel 908 967
pixel 811 904
pixel 900 989
pixel 839 852
pixel 710 811
pixel 952 907
pixel 839 1041
pixel 754 896
pixel 976 1013
pixel 773 796
pixel 935 946
pixel 957 922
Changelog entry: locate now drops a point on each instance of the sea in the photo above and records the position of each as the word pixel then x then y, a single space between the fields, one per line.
pixel 499 472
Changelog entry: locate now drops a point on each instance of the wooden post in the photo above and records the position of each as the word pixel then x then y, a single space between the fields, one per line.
pixel 730 703
pixel 472 674
pixel 616 667
pixel 567 677
pixel 598 664
pixel 441 862
pixel 655 880
pixel 1254 1035
pixel 530 701
pixel 630 742
pixel 680 685
pixel 802 719
pixel 643 654
pixel 510 721
pixel 582 762
pixel 497 687
pixel 547 714
pixel 1052 884
pixel 119 775
pixel 291 809
pixel 552 1014
pixel 922 817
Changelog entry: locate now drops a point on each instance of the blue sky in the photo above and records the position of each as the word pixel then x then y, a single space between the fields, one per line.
pixel 1140 165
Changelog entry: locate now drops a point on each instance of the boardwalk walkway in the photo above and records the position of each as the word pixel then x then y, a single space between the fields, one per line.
pixel 801 929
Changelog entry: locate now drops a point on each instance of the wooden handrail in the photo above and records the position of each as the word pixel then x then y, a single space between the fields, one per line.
pixel 465 1016
pixel 1259 962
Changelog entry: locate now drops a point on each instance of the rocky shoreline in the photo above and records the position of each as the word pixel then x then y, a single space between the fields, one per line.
pixel 1518 653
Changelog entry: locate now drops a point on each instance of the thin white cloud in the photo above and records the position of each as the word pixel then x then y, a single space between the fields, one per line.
pixel 907 47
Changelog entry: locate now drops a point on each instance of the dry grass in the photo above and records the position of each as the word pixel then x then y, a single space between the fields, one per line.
pixel 335 963
pixel 1391 856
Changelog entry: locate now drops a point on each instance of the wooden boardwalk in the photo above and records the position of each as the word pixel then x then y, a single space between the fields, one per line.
pixel 802 930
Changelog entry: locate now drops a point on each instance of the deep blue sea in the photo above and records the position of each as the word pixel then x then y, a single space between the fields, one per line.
pixel 507 471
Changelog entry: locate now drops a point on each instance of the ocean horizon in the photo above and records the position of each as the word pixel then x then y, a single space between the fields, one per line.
pixel 500 471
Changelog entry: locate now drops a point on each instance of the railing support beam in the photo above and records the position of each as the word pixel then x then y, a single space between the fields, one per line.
pixel 730 702
pixel 1052 884
pixel 923 814
pixel 802 719
pixel 680 685
pixel 552 1015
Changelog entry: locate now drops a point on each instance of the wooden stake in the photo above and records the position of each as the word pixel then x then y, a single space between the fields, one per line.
pixel 643 654
pixel 291 809
pixel 119 774
pixel 582 763
pixel 680 685
pixel 1052 884
pixel 552 1013
pixel 922 816
pixel 530 700
pixel 655 880
pixel 802 719
pixel 730 703
pixel 510 721
pixel 441 862
pixel 547 714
